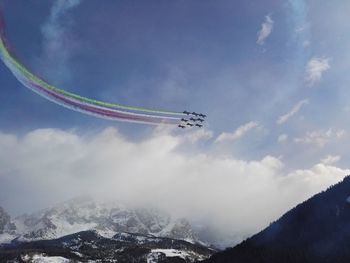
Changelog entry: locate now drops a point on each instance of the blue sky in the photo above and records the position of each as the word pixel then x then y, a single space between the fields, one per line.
pixel 183 55
pixel 272 77
pixel 195 55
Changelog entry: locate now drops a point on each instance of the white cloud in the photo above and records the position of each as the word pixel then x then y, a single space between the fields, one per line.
pixel 224 193
pixel 265 31
pixel 238 133
pixel 282 138
pixel 58 43
pixel 199 135
pixel 320 176
pixel 61 6
pixel 306 43
pixel 315 68
pixel 296 108
pixel 320 137
pixel 331 159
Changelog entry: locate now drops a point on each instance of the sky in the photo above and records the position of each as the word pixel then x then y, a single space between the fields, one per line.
pixel 271 76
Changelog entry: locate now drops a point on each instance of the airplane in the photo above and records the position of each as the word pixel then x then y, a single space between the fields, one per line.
pixel 186 112
pixel 181 126
pixel 199 125
pixel 202 115
pixel 184 120
pixel 195 113
pixel 192 119
pixel 189 124
pixel 199 119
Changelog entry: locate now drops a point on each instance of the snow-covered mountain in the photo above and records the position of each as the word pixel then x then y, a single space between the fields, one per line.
pixel 84 213
pixel 90 246
pixel 5 222
pixel 7 227
pixel 84 229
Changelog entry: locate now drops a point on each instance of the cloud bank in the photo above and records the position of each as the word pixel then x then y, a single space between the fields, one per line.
pixel 331 159
pixel 232 196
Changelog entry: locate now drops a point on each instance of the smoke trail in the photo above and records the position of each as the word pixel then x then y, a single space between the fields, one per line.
pixel 301 26
pixel 78 103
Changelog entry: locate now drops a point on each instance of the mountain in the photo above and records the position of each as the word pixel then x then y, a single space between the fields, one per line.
pixel 82 230
pixel 109 218
pixel 90 246
pixel 318 230
pixel 7 227
pixel 5 222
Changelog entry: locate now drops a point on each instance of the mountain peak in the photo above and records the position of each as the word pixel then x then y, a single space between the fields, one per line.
pixel 85 213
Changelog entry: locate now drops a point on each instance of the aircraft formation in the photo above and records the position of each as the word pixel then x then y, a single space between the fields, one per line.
pixel 96 108
pixel 195 120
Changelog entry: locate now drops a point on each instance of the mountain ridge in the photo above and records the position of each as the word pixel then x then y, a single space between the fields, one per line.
pixel 90 246
pixel 317 230
pixel 83 214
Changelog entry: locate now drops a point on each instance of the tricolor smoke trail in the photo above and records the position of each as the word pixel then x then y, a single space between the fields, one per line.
pixel 78 103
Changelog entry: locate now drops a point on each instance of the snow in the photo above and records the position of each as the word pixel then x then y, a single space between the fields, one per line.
pixel 135 238
pixel 64 228
pixel 61 228
pixel 144 239
pixel 107 218
pixel 153 257
pixel 6 238
pixel 107 233
pixel 190 240
pixel 45 259
pixel 78 254
pixel 171 253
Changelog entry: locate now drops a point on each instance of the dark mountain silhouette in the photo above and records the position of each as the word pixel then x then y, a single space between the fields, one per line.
pixel 316 231
pixel 91 246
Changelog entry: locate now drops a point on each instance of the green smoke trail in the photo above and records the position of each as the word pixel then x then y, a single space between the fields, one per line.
pixel 82 99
